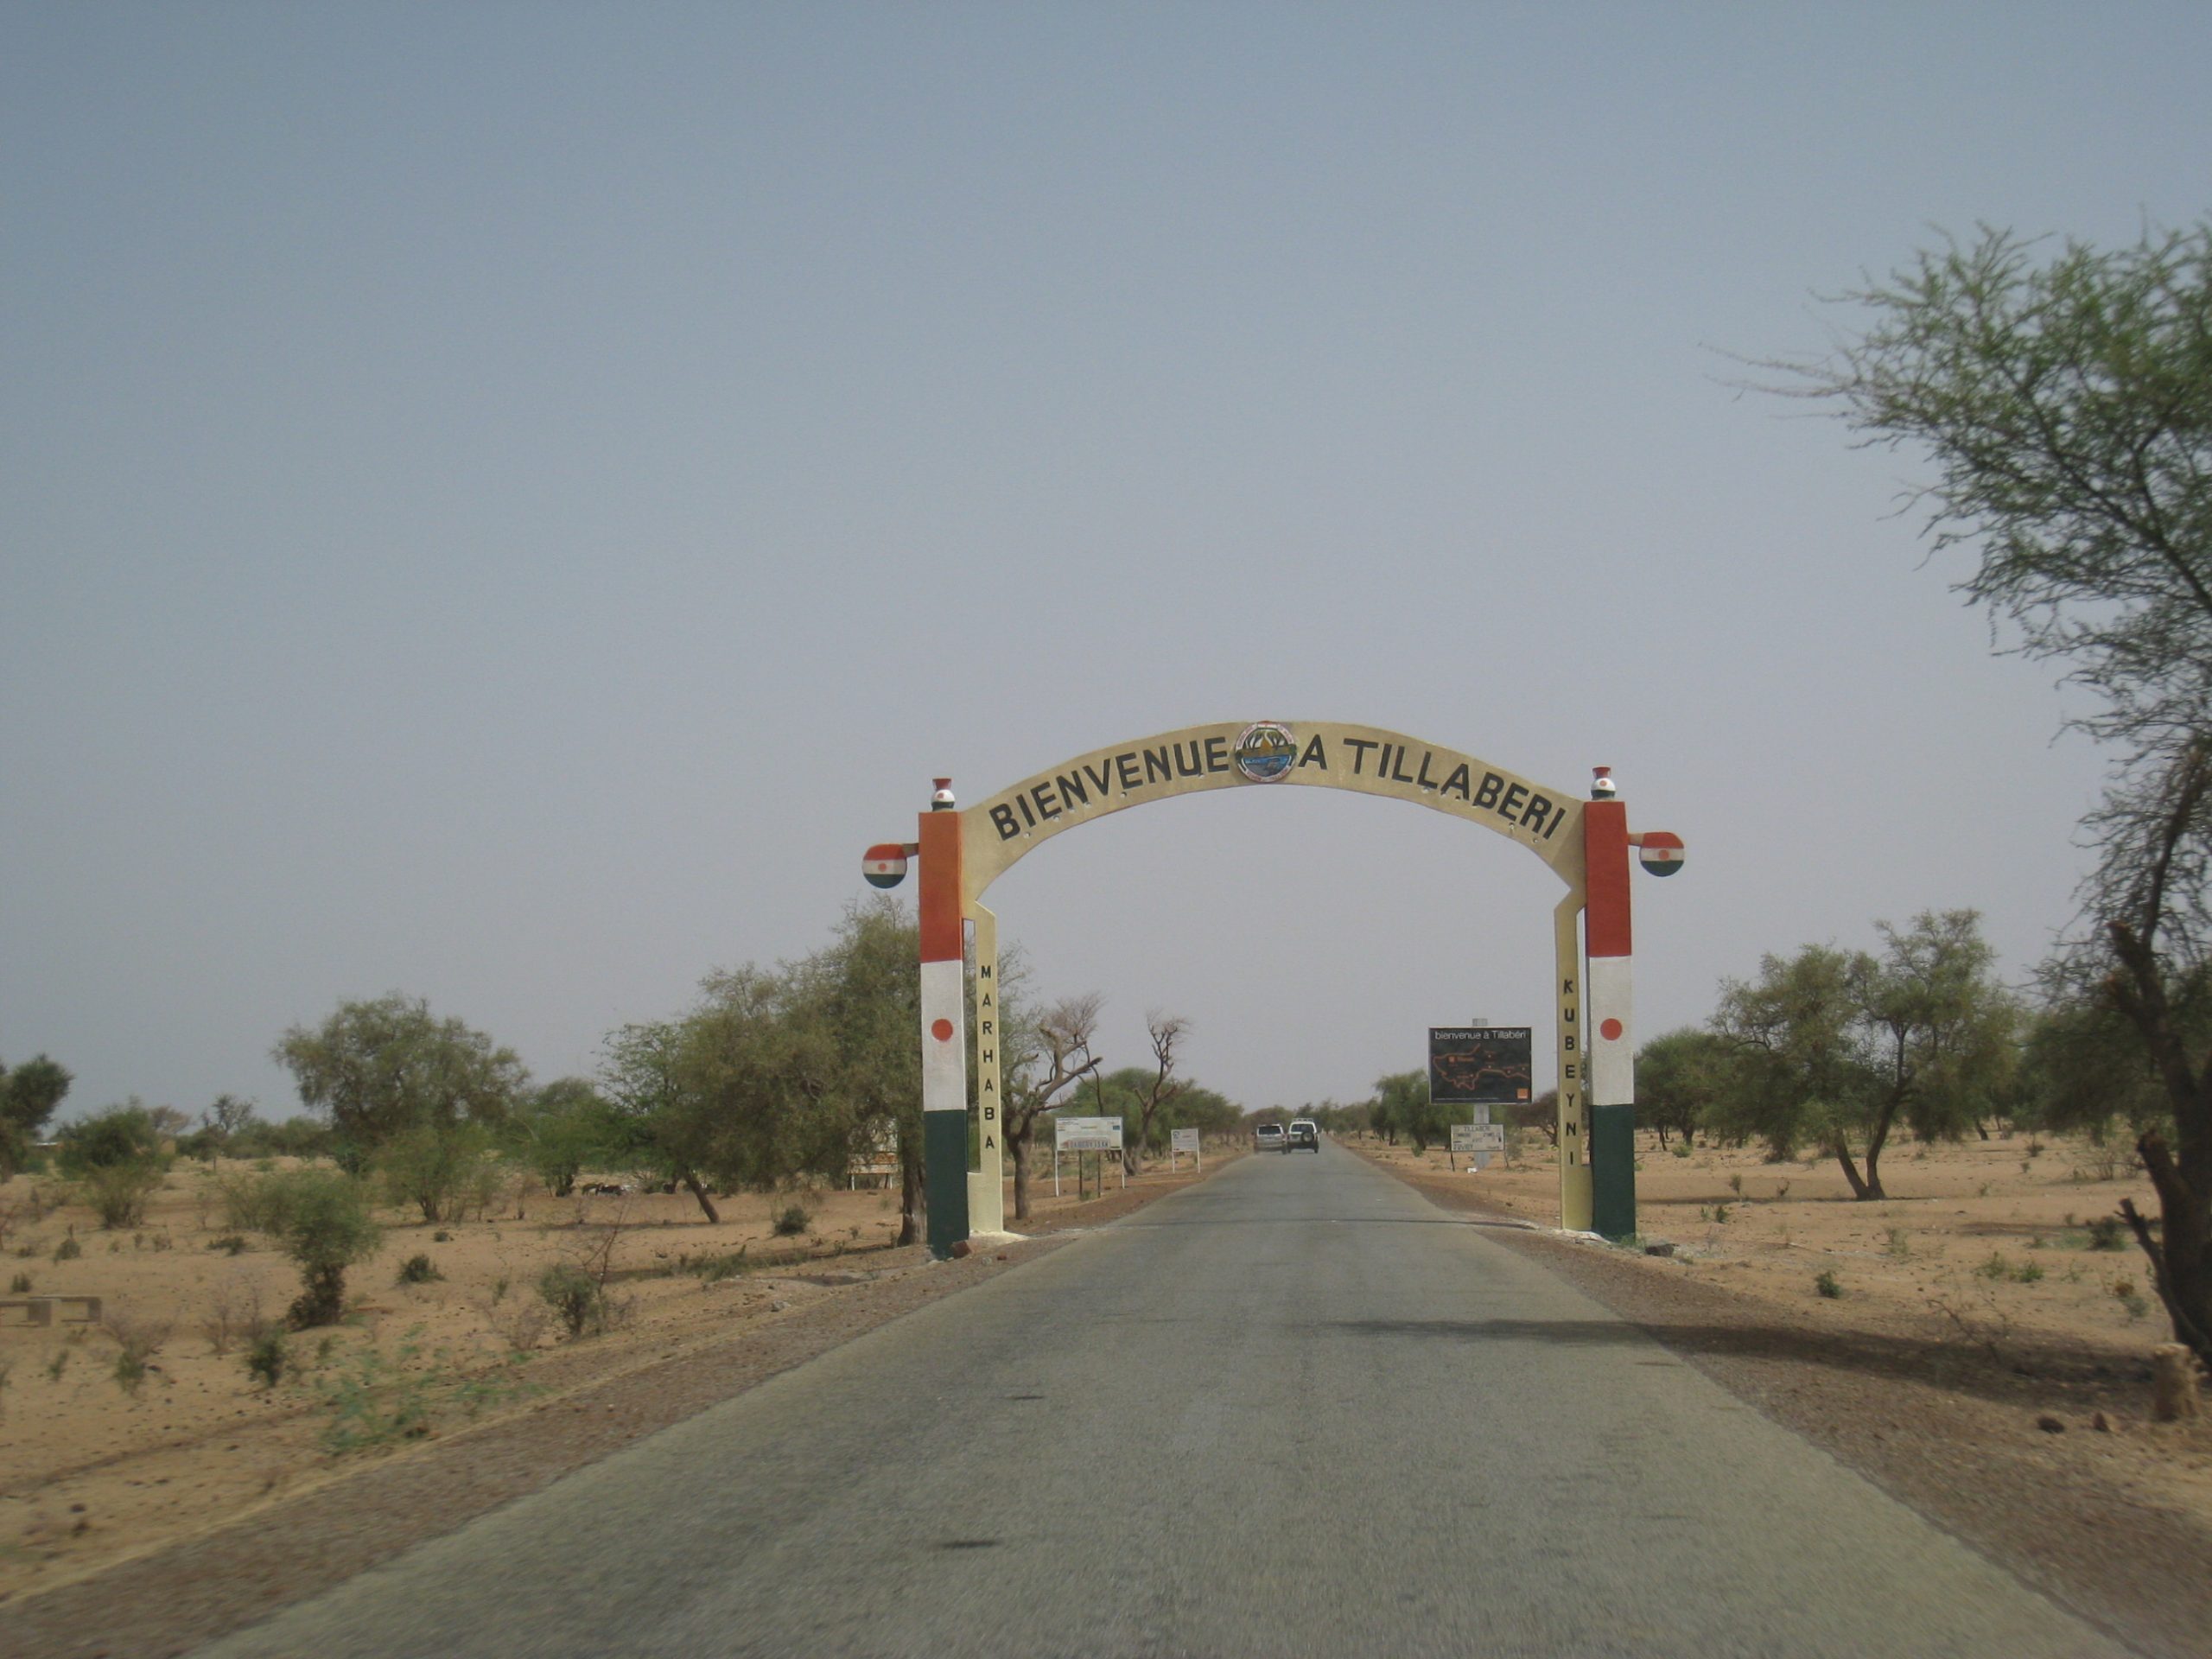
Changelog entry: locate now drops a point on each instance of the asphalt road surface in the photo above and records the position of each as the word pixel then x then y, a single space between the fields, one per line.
pixel 1294 1410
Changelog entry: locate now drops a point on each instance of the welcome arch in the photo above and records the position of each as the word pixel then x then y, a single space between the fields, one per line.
pixel 1584 842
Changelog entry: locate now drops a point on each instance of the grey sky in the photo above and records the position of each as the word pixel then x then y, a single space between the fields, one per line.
pixel 506 502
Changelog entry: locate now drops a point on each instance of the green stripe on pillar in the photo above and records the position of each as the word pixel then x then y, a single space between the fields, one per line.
pixel 1613 1170
pixel 944 1179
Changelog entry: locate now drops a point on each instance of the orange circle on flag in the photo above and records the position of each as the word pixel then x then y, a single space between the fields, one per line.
pixel 942 1030
pixel 1610 1031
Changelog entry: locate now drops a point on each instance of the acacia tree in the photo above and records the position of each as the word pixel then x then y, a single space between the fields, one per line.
pixel 1798 1065
pixel 377 1070
pixel 2065 397
pixel 1041 1056
pixel 1679 1077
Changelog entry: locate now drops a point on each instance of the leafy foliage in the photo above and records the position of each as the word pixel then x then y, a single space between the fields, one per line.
pixel 379 1069
pixel 2065 397
pixel 29 1096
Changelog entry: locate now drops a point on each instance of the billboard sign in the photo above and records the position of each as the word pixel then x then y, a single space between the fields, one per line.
pixel 1183 1140
pixel 1086 1134
pixel 1479 1065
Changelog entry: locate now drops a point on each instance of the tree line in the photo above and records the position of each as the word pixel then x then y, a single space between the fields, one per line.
pixel 773 1077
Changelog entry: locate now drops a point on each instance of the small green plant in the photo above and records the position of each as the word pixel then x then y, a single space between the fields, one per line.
pixel 20 1285
pixel 1900 1244
pixel 2027 1273
pixel 441 1236
pixel 574 1296
pixel 793 1220
pixel 2128 1296
pixel 57 1364
pixel 67 1250
pixel 1982 1191
pixel 1720 1213
pixel 2105 1233
pixel 230 1244
pixel 715 1268
pixel 499 1290
pixel 418 1269
pixel 1680 1149
pixel 374 1400
pixel 2035 1147
pixel 1827 1284
pixel 1736 1185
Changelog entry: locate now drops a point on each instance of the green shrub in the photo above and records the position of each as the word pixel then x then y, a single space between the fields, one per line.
pixel 267 1358
pixel 793 1220
pixel 255 1202
pixel 440 1171
pixel 1680 1149
pixel 1828 1285
pixel 118 1136
pixel 230 1244
pixel 20 1285
pixel 574 1295
pixel 67 1250
pixel 117 1192
pixel 2107 1233
pixel 418 1270
pixel 328 1229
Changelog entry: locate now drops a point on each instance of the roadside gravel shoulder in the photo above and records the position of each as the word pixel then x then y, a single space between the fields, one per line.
pixel 1945 1426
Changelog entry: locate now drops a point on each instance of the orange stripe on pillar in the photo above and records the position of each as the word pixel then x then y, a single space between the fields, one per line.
pixel 940 894
pixel 1606 929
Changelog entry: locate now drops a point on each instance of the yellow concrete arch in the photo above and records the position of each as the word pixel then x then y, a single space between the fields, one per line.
pixel 998 831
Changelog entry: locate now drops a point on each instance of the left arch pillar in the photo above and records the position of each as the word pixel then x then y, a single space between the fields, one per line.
pixel 944 1036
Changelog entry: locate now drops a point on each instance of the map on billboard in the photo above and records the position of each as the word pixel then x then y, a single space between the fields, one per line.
pixel 1479 1065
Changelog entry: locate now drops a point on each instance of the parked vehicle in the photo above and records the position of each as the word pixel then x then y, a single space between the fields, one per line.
pixel 1268 1137
pixel 1304 1132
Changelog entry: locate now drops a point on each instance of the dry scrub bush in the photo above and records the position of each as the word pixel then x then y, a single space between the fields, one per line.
pixel 138 1339
pixel 234 1313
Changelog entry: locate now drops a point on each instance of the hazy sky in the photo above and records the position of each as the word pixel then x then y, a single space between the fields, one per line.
pixel 505 502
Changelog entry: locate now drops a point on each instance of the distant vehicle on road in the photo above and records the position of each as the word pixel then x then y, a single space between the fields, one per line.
pixel 1267 1137
pixel 1304 1132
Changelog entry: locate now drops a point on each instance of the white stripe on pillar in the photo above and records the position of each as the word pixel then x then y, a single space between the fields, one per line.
pixel 944 1046
pixel 1611 1007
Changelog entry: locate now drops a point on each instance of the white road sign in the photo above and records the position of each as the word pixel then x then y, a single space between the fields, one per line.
pixel 1086 1134
pixel 1478 1137
pixel 1186 1141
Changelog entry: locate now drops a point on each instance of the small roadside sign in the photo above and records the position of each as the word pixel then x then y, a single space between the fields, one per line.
pixel 1180 1141
pixel 1478 1137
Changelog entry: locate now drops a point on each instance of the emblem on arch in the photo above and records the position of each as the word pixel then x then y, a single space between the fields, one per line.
pixel 1266 751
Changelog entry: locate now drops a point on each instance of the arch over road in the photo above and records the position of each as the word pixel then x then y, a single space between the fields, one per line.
pixel 1584 842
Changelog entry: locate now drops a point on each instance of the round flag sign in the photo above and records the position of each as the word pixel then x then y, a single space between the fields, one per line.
pixel 1663 852
pixel 885 864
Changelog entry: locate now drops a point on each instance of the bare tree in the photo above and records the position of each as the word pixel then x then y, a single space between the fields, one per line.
pixel 1052 1054
pixel 1166 1032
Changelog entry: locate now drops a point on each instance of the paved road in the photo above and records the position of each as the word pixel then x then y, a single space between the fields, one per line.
pixel 1296 1410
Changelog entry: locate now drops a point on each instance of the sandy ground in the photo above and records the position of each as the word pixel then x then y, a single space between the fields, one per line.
pixel 141 1522
pixel 95 1469
pixel 1947 1370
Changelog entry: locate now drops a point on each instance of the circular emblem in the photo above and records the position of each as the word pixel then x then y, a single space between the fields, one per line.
pixel 1265 751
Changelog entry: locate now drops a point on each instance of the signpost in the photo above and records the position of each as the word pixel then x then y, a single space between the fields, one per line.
pixel 1183 1140
pixel 1082 1134
pixel 1479 1141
